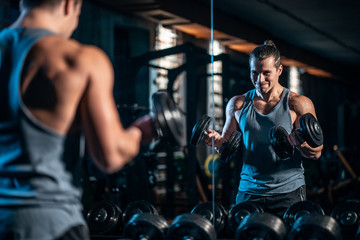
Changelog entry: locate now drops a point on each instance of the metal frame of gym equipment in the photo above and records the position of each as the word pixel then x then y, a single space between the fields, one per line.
pixel 195 58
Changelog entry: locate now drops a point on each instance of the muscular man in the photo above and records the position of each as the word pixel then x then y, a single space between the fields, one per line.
pixel 273 183
pixel 49 86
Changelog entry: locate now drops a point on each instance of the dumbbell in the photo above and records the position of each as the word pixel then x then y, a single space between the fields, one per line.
pixel 216 217
pixel 137 207
pixel 228 149
pixel 347 215
pixel 261 226
pixel 239 212
pixel 301 209
pixel 146 226
pixel 309 130
pixel 168 119
pixel 315 227
pixel 307 220
pixel 191 226
pixel 106 218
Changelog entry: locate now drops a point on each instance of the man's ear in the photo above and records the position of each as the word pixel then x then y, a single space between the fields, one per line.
pixel 280 69
pixel 68 5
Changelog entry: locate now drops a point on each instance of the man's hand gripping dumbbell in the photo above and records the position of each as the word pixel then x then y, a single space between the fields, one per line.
pixel 166 121
pixel 309 135
pixel 226 148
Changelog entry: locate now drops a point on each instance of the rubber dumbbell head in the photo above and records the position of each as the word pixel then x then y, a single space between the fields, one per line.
pixel 136 207
pixel 230 147
pixel 146 226
pixel 168 119
pixel 300 209
pixel 261 226
pixel 218 217
pixel 192 227
pixel 104 218
pixel 310 130
pixel 347 215
pixel 315 227
pixel 280 143
pixel 239 212
pixel 199 130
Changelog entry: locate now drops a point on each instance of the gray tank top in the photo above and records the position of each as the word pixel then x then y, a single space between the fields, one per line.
pixel 263 173
pixel 37 165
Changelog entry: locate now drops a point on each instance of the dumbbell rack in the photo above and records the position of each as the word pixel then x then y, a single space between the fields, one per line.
pixel 303 220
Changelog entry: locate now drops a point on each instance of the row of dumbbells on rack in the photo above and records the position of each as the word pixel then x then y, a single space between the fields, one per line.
pixel 209 221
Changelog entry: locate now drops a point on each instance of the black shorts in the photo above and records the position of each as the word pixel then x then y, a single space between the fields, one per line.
pixel 80 232
pixel 75 233
pixel 276 204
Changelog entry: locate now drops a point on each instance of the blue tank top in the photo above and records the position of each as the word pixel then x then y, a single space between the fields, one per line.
pixel 38 184
pixel 263 173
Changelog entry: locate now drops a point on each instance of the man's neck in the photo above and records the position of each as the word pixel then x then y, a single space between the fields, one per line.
pixel 37 18
pixel 274 93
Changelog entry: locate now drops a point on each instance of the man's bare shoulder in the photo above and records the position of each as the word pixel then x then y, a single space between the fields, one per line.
pixel 90 52
pixel 237 102
pixel 74 55
pixel 300 103
pixel 59 46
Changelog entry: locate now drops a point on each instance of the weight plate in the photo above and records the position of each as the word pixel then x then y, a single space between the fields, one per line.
pixel 239 212
pixel 146 226
pixel 135 207
pixel 347 215
pixel 279 141
pixel 300 209
pixel 310 130
pixel 261 226
pixel 169 121
pixel 104 217
pixel 191 226
pixel 199 129
pixel 231 146
pixel 206 210
pixel 315 227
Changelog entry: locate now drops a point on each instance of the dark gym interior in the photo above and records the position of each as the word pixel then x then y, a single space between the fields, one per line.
pixel 165 45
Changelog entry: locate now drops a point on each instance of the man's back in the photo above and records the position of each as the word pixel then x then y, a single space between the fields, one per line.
pixel 65 84
pixel 47 83
pixel 53 81
pixel 37 169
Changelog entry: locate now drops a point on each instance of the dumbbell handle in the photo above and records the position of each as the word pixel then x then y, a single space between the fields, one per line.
pixel 221 148
pixel 206 133
pixel 295 138
pixel 148 127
